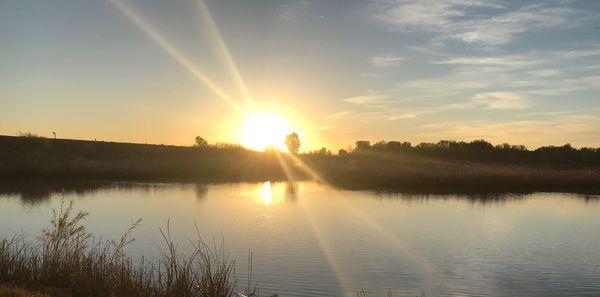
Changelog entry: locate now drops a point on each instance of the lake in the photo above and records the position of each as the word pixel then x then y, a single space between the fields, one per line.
pixel 309 239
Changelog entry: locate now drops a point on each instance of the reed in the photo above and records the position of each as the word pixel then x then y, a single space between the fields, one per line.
pixel 67 261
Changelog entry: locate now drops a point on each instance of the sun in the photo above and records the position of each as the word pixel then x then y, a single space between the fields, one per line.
pixel 262 130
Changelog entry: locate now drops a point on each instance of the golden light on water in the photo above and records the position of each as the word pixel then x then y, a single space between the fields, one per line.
pixel 265 192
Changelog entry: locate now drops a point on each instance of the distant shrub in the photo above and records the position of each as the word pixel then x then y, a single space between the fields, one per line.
pixel 29 135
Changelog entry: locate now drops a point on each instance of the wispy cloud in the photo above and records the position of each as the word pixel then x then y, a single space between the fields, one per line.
pixel 410 115
pixel 514 61
pixel 544 72
pixel 439 87
pixel 472 21
pixel 526 60
pixel 431 15
pixel 292 10
pixel 341 114
pixel 364 99
pixel 501 100
pixel 497 83
pixel 547 73
pixel 565 86
pixel 386 61
pixel 488 100
pixel 548 113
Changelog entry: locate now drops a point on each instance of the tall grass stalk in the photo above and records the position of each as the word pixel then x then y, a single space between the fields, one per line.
pixel 67 261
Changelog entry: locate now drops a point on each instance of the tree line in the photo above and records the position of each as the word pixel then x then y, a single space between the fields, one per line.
pixel 445 165
pixel 476 150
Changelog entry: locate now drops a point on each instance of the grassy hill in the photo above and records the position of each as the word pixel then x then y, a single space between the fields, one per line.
pixel 434 167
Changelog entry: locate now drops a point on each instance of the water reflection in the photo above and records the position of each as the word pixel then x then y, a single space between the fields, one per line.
pixel 32 193
pixel 201 191
pixel 265 192
pixel 309 239
pixel 291 191
pixel 473 198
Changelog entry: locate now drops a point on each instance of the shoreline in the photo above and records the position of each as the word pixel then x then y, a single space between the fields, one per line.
pixel 442 167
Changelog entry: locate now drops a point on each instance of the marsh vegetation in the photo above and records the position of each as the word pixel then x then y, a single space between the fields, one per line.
pixel 67 261
pixel 394 165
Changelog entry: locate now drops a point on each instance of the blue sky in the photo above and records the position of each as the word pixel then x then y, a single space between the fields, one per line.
pixel 523 72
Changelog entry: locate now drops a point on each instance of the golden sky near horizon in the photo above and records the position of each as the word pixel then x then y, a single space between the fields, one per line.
pixel 250 72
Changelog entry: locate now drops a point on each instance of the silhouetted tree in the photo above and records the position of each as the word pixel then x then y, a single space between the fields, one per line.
pixel 200 142
pixel 324 151
pixel 380 145
pixel 363 145
pixel 342 152
pixel 292 141
pixel 480 145
pixel 393 145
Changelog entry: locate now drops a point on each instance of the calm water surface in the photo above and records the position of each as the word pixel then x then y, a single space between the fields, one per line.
pixel 311 240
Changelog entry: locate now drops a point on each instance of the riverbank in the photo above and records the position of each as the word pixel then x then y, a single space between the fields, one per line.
pixel 442 167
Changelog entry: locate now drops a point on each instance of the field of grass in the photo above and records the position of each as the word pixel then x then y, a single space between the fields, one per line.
pixel 425 174
pixel 441 167
pixel 11 291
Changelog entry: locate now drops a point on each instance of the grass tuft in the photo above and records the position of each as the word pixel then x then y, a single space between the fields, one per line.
pixel 66 261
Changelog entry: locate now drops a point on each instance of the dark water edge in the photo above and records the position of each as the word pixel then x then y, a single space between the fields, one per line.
pixel 476 167
pixel 33 191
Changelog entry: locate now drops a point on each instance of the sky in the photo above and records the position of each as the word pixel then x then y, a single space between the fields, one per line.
pixel 337 71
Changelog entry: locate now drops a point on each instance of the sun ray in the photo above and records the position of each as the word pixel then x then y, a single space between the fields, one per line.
pixel 321 238
pixel 425 266
pixel 327 249
pixel 285 166
pixel 175 54
pixel 307 169
pixel 224 51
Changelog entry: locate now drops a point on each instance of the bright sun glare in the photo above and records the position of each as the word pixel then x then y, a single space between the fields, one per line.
pixel 261 131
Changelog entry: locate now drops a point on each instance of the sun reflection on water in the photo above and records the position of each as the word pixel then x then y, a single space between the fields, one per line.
pixel 265 192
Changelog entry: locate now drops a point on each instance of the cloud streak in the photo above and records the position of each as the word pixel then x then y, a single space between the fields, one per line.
pixel 364 99
pixel 488 23
pixel 292 10
pixel 500 100
pixel 386 61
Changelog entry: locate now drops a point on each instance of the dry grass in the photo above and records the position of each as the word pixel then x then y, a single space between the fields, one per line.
pixel 67 262
pixel 10 291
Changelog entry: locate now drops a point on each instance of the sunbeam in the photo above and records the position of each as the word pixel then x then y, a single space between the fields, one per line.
pixel 175 54
pixel 304 167
pixel 286 168
pixel 323 243
pixel 288 162
pixel 327 250
pixel 224 51
pixel 352 148
pixel 325 247
pixel 427 268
